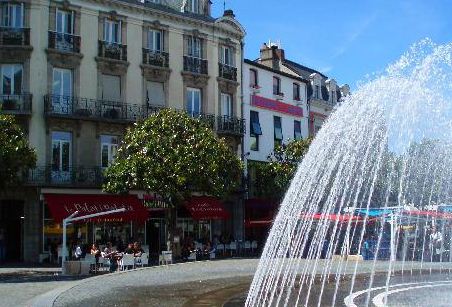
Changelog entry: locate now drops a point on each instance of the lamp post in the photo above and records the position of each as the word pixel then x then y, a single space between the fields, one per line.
pixel 70 219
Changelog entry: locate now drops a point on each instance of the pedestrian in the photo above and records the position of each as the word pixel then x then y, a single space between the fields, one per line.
pixel 436 244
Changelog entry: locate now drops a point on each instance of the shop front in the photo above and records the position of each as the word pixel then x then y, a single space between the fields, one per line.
pixel 119 228
pixel 259 216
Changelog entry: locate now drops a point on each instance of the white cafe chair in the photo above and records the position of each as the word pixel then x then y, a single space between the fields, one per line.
pixel 253 246
pixel 166 257
pixel 192 256
pixel 247 247
pixel 143 260
pixel 126 261
pixel 220 247
pixel 233 248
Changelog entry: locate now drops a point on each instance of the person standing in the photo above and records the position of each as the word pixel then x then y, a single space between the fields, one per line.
pixel 436 244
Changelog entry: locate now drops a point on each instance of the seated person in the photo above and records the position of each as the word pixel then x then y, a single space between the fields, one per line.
pixel 138 251
pixel 129 250
pixel 78 253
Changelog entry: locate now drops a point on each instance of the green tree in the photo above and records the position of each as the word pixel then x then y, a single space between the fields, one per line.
pixel 174 155
pixel 16 156
pixel 274 177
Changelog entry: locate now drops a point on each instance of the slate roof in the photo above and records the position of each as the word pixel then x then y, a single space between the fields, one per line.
pixel 303 71
pixel 168 9
pixel 261 66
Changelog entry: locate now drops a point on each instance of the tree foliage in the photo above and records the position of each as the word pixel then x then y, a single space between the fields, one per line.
pixel 16 156
pixel 173 155
pixel 274 177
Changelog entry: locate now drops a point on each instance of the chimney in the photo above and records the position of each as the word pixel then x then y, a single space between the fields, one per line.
pixel 229 13
pixel 271 56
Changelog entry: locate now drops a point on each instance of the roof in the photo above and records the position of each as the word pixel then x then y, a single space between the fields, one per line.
pixel 258 65
pixel 169 9
pixel 301 70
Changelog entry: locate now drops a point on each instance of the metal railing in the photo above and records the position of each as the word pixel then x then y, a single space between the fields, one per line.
pixel 64 42
pixel 70 176
pixel 230 125
pixel 155 58
pixel 76 107
pixel 114 51
pixel 227 72
pixel 16 104
pixel 14 36
pixel 195 65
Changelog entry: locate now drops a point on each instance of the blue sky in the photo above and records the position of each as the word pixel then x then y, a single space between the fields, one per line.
pixel 344 39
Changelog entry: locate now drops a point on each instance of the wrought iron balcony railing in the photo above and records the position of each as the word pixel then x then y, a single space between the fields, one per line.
pixel 76 107
pixel 195 65
pixel 230 125
pixel 227 72
pixel 114 51
pixel 14 36
pixel 155 58
pixel 70 176
pixel 64 42
pixel 16 104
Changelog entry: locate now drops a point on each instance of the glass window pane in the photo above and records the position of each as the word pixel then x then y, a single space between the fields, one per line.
pixel 69 21
pixel 67 83
pixel 189 103
pixel 18 16
pixel 151 40
pixel 5 16
pixel 59 22
pixel 55 155
pixel 56 86
pixel 104 155
pixel 18 80
pixel 7 79
pixel 158 41
pixel 65 157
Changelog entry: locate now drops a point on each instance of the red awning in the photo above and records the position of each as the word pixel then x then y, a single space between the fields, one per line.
pixel 206 208
pixel 258 223
pixel 63 205
pixel 331 217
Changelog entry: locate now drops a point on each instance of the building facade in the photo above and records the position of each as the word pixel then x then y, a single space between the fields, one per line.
pixel 77 73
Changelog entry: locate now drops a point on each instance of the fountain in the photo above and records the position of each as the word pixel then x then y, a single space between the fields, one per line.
pixel 375 181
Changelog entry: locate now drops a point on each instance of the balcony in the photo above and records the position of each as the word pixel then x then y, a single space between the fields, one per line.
pixel 14 36
pixel 64 42
pixel 230 125
pixel 155 58
pixel 92 109
pixel 227 72
pixel 75 176
pixel 195 65
pixel 114 51
pixel 16 104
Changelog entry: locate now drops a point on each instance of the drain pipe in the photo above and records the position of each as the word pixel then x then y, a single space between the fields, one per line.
pixel 242 151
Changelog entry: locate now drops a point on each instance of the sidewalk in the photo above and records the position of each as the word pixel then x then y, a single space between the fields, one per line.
pixel 20 284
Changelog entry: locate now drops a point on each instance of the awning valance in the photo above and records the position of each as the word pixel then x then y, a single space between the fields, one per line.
pixel 63 205
pixel 206 208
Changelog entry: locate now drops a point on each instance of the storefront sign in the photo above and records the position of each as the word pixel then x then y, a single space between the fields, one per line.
pixel 206 208
pixel 277 106
pixel 63 205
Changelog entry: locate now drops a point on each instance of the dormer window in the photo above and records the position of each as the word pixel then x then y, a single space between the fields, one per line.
pixel 12 15
pixel 193 6
pixel 317 91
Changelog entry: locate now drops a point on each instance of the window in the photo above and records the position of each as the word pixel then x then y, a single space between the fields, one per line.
pixel 111 88
pixel 155 40
pixel 255 130
pixel 253 78
pixel 226 105
pixel 11 75
pixel 112 31
pixel 155 93
pixel 194 47
pixel 227 56
pixel 61 151
pixel 193 6
pixel 276 86
pixel 278 131
pixel 64 22
pixel 62 82
pixel 109 148
pixel 296 91
pixel 317 92
pixel 12 15
pixel 297 130
pixel 193 103
pixel 333 96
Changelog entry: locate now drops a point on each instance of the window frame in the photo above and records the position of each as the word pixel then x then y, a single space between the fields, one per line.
pixel 277 86
pixel 256 82
pixel 60 138
pixel 227 103
pixel 192 103
pixel 12 69
pixel 64 21
pixel 278 133
pixel 296 92
pixel 194 47
pixel 227 56
pixel 297 132
pixel 108 33
pixel 5 14
pixel 111 142
pixel 154 33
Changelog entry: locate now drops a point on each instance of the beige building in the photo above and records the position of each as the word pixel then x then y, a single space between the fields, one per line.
pixel 78 73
